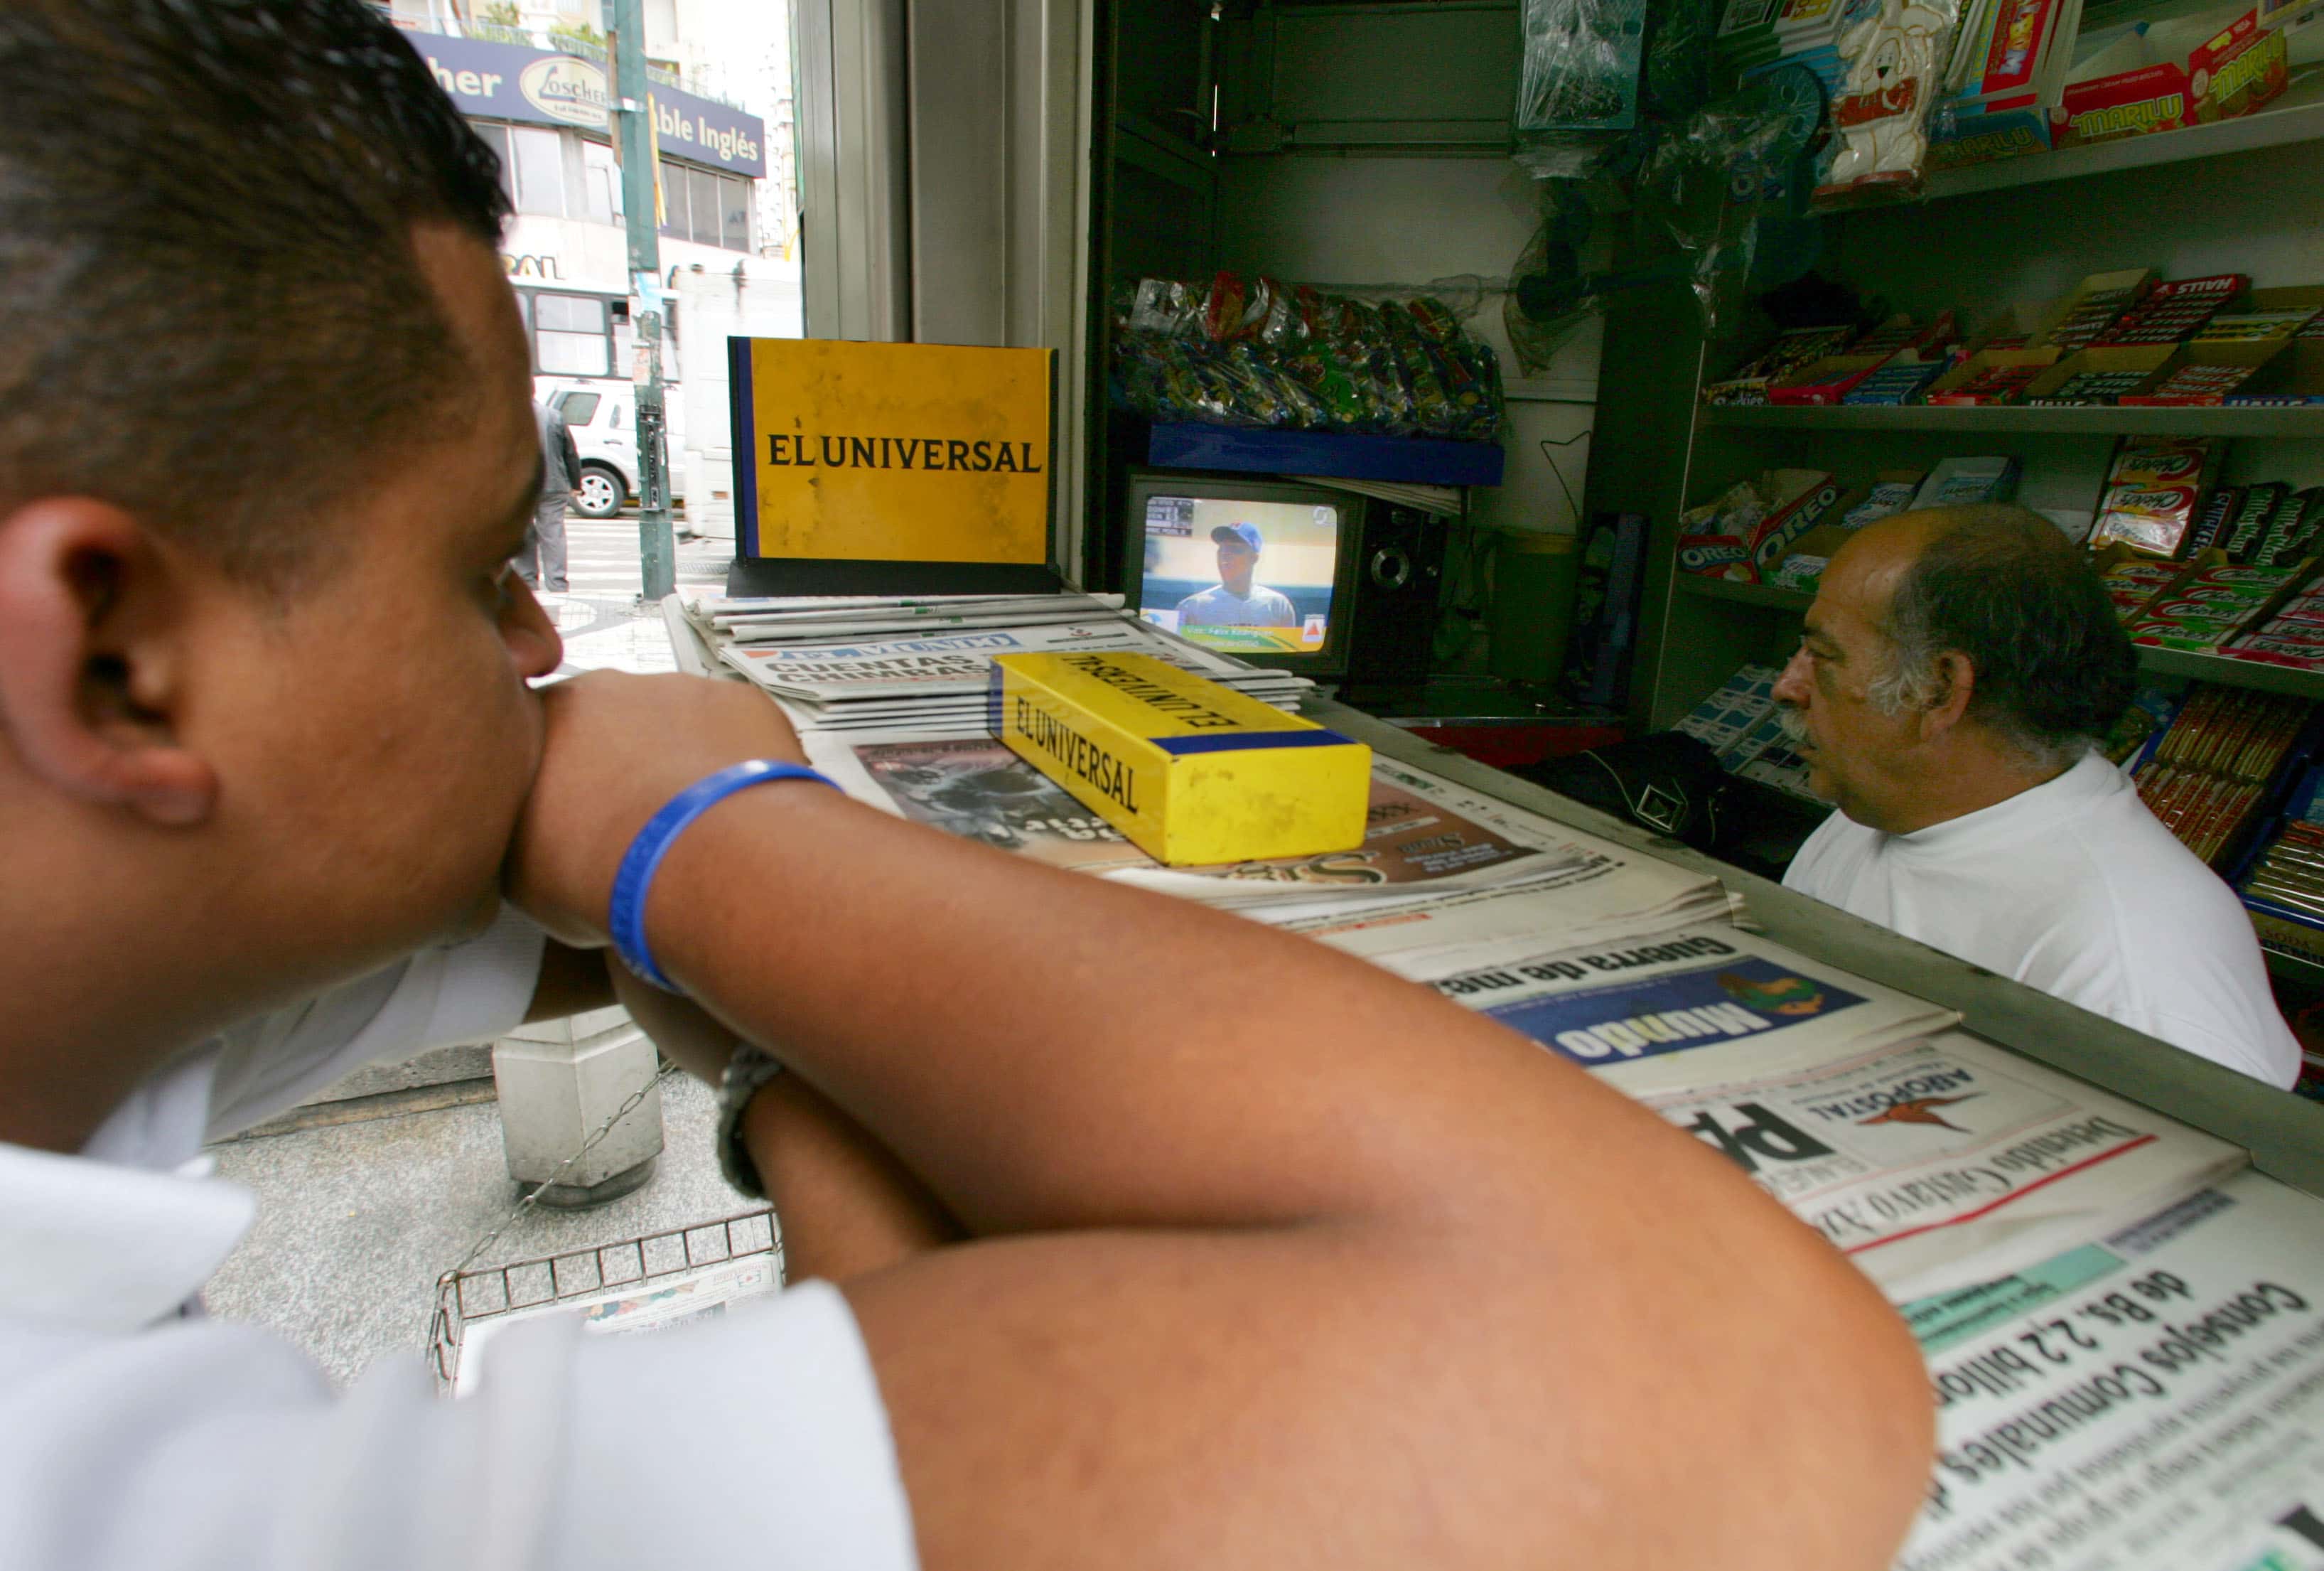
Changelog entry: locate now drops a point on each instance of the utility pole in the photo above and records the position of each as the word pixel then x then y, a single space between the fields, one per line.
pixel 657 552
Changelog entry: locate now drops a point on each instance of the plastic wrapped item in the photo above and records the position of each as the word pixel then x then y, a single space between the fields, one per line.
pixel 1881 111
pixel 1262 352
pixel 1537 327
pixel 1677 78
pixel 1726 180
pixel 1158 305
pixel 1581 66
pixel 1578 85
pixel 1729 185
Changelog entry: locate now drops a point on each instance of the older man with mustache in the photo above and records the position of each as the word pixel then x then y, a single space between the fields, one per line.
pixel 1952 675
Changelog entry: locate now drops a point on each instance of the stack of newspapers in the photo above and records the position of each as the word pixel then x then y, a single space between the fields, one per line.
pixel 1933 1158
pixel 921 667
pixel 1930 1157
pixel 1430 850
pixel 2123 1324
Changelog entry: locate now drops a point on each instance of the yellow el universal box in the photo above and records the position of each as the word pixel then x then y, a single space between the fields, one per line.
pixel 1192 772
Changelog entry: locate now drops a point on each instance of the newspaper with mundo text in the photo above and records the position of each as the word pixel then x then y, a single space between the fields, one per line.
pixel 1694 1007
pixel 2154 1398
pixel 1422 833
pixel 702 1293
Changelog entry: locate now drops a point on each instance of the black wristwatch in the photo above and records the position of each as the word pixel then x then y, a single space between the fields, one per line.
pixel 748 1070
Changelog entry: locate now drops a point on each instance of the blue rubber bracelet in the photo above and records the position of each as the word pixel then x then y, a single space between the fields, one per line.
pixel 627 919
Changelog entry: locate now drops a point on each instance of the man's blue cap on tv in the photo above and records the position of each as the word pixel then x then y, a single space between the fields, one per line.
pixel 1238 534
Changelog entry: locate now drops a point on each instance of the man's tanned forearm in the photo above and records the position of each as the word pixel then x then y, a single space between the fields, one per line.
pixel 1059 1089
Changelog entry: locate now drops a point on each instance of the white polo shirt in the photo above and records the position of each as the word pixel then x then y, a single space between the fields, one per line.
pixel 138 1436
pixel 2074 888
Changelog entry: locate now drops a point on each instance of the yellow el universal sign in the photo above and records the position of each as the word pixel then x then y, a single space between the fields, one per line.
pixel 868 453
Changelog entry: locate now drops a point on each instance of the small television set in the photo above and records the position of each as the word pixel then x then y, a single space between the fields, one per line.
pixel 1262 569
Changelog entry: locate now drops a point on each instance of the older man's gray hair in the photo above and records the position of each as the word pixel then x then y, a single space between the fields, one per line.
pixel 2003 586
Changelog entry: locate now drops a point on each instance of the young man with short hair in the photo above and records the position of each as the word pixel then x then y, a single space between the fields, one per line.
pixel 1347 1278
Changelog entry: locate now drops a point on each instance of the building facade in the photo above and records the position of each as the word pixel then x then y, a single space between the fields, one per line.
pixel 547 112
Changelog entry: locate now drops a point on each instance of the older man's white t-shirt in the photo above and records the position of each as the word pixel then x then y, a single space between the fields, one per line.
pixel 2074 888
pixel 138 1436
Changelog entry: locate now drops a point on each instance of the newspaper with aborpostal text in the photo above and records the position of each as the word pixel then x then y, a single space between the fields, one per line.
pixel 1928 1161
pixel 1935 1164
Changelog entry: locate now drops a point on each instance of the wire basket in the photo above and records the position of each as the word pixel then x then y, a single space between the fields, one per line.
pixel 661 1261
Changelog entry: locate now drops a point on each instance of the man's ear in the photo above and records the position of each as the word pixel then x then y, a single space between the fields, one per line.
pixel 92 663
pixel 1956 676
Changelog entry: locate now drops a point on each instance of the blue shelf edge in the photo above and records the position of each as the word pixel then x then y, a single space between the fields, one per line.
pixel 1414 461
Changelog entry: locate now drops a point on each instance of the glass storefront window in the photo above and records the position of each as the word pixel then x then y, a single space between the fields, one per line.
pixel 570 337
pixel 737 229
pixel 539 170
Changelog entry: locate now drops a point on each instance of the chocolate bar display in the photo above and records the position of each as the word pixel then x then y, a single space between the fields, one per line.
pixel 1749 383
pixel 2256 506
pixel 2212 523
pixel 2254 326
pixel 1891 492
pixel 2203 382
pixel 2092 387
pixel 1898 383
pixel 2099 302
pixel 2210 773
pixel 1959 482
pixel 2175 311
pixel 2118 337
pixel 2292 527
pixel 1996 383
pixel 2284 887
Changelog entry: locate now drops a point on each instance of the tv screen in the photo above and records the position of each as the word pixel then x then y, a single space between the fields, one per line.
pixel 1250 576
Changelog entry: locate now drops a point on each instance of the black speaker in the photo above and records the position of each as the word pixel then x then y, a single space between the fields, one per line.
pixel 1399 569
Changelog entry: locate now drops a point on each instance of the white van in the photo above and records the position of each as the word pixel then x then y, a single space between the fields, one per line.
pixel 602 416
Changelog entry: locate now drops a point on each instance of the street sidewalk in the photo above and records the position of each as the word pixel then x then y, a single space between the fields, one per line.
pixel 357 1220
pixel 604 627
